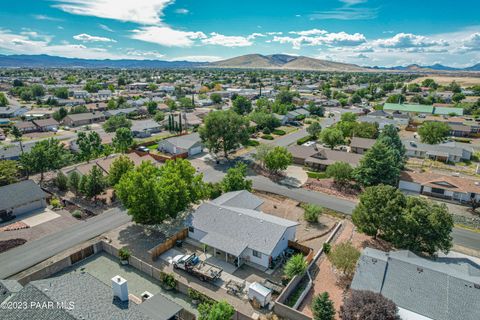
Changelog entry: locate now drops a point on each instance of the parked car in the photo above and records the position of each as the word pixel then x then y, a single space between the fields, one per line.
pixel 143 149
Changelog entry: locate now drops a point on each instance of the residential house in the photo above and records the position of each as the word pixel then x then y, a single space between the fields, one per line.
pixel 104 94
pixel 459 189
pixel 444 288
pixel 447 111
pixel 120 112
pixel 361 145
pixel 451 151
pixel 81 296
pixel 81 94
pixel 21 197
pixel 26 126
pixel 408 108
pixel 282 118
pixel 190 144
pixel 46 124
pixel 13 151
pixel 12 111
pixel 145 128
pixel 239 232
pixel 321 158
pixel 81 119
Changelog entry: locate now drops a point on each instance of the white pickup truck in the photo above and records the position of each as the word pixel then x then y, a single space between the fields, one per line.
pixel 192 264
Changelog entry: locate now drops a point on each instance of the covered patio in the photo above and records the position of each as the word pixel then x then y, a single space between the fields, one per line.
pixel 225 249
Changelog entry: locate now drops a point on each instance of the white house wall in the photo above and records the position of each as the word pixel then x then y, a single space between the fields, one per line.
pixel 410 186
pixel 283 243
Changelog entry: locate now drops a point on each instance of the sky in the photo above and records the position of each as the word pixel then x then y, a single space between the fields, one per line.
pixel 364 32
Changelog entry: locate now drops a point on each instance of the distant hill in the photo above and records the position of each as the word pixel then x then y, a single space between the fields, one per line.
pixel 286 62
pixel 46 61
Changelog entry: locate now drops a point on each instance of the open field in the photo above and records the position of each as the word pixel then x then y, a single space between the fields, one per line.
pixel 444 80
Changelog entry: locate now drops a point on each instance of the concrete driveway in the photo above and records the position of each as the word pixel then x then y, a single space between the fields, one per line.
pixel 296 177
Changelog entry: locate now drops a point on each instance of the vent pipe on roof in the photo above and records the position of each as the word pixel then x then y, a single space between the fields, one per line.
pixel 120 288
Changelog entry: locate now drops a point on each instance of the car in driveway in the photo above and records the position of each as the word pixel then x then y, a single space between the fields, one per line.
pixel 143 149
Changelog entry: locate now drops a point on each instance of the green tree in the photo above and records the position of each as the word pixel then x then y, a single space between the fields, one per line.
pixel 341 172
pixel 361 305
pixel 261 153
pixel 224 131
pixel 60 114
pixel 153 194
pixel 425 227
pixel 457 97
pixel 216 98
pixel 332 137
pixel 379 210
pixel 344 257
pixel 90 145
pixel 432 132
pixel 122 140
pixel 322 307
pixel 311 212
pixel 61 181
pixel 379 165
pixel 118 168
pixel 235 180
pixel 390 137
pixel 159 116
pixel 3 100
pixel 95 182
pixel 215 311
pixel 316 110
pixel 8 172
pixel 396 98
pixel 45 155
pixel 314 129
pixel 61 93
pixel 152 107
pixel 115 122
pixel 18 136
pixel 74 181
pixel 365 130
pixel 242 105
pixel 296 265
pixel 278 159
pixel 186 103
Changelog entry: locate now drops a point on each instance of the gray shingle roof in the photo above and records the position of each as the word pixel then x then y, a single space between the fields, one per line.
pixel 447 148
pixel 16 194
pixel 239 199
pixel 186 141
pixel 160 307
pixel 236 228
pixel 442 289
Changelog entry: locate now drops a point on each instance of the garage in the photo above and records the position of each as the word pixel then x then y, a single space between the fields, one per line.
pixel 28 207
pixel 409 186
pixel 195 150
pixel 22 197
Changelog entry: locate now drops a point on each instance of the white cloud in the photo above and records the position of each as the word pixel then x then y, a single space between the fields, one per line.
pixel 274 33
pixel 105 27
pixel 227 41
pixel 349 11
pixel 140 11
pixel 197 58
pixel 255 35
pixel 145 54
pixel 408 40
pixel 309 32
pixel 471 43
pixel 321 37
pixel 89 38
pixel 182 11
pixel 167 36
pixel 44 17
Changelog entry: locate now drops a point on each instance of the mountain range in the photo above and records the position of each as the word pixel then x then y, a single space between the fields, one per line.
pixel 249 61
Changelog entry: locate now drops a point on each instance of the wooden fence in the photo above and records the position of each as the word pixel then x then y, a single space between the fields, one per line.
pixel 155 252
pixel 307 251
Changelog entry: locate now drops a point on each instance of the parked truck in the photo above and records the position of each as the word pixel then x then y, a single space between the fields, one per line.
pixel 192 264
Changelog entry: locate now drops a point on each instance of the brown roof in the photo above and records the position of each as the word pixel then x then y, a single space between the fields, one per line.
pixel 456 184
pixel 327 157
pixel 46 122
pixel 363 143
pixel 302 152
pixel 25 125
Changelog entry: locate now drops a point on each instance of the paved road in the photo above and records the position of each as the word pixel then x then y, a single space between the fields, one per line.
pixel 31 253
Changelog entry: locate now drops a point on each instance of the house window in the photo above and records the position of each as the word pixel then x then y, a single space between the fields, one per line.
pixel 257 254
pixel 190 229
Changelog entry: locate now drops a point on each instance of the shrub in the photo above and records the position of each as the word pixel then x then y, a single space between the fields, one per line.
pixel 267 137
pixel 296 265
pixel 168 280
pixel 61 181
pixel 364 304
pixel 304 139
pixel 311 212
pixel 279 132
pixel 322 307
pixel 344 257
pixel 252 143
pixel 77 214
pixel 327 247
pixel 267 130
pixel 124 254
pixel 55 202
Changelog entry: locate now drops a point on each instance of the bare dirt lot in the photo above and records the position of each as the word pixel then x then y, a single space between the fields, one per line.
pixel 444 80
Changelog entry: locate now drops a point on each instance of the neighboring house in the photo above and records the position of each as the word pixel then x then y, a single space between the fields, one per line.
pixel 238 232
pixel 408 108
pixel 81 94
pixel 26 126
pixel 70 102
pixel 145 128
pixel 320 158
pixel 447 111
pixel 46 124
pixel 81 119
pixel 297 113
pixel 13 151
pixel 447 288
pixel 361 145
pixel 80 296
pixel 282 118
pixel 12 111
pixel 447 152
pixel 459 130
pixel 459 189
pixel 118 112
pixel 22 197
pixel 382 122
pixel 189 143
pixel 104 94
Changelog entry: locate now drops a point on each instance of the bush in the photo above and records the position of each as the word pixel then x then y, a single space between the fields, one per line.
pixel 267 130
pixel 252 143
pixel 55 202
pixel 124 254
pixel 317 175
pixel 327 247
pixel 322 307
pixel 304 139
pixel 344 257
pixel 61 181
pixel 77 214
pixel 168 280
pixel 312 212
pixel 279 132
pixel 267 137
pixel 296 265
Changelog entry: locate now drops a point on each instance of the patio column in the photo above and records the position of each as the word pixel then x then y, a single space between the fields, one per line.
pixel 226 257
